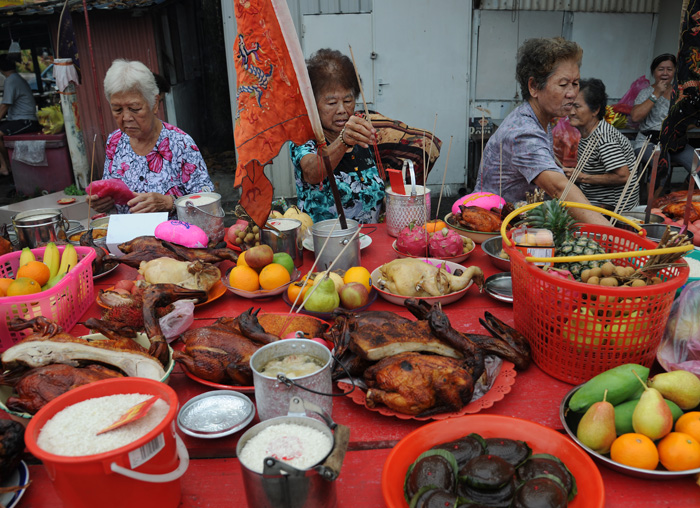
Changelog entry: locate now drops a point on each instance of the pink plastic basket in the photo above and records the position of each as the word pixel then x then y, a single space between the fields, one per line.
pixel 64 303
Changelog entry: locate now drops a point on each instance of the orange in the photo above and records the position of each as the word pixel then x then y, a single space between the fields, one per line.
pixel 679 452
pixel 241 260
pixel 23 286
pixel 35 270
pixel 689 424
pixel 358 274
pixel 5 283
pixel 635 450
pixel 273 276
pixel 245 278
pixel 294 289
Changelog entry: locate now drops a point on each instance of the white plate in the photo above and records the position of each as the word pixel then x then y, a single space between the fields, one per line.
pixel 444 299
pixel 19 476
pixel 365 240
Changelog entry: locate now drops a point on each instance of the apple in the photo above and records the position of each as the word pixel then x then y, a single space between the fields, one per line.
pixel 353 295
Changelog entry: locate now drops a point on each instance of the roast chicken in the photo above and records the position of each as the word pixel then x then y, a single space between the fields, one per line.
pixel 676 210
pixel 414 277
pixel 148 248
pixel 420 367
pixel 476 218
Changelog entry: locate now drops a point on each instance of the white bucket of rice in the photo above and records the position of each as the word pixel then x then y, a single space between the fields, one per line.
pixel 292 461
pixel 136 465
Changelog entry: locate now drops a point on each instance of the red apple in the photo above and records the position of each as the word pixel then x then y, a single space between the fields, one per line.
pixel 353 295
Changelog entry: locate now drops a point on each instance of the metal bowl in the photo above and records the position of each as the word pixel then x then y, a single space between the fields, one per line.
pixel 570 421
pixel 639 217
pixel 656 231
pixel 492 247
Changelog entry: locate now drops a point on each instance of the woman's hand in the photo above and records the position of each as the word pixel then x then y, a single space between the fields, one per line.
pixel 148 202
pixel 358 131
pixel 101 205
pixel 662 87
pixel 568 171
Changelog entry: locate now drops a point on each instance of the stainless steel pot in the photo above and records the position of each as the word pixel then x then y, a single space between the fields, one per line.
pixel 204 210
pixel 36 228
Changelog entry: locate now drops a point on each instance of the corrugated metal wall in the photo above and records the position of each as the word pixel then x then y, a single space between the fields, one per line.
pixel 335 6
pixel 114 35
pixel 622 6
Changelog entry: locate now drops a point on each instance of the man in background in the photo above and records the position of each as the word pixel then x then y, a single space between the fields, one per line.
pixel 17 110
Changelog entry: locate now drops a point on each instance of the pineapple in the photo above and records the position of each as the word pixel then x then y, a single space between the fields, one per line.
pixel 554 216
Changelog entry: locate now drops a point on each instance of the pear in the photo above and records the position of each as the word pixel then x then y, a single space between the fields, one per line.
pixel 680 386
pixel 596 429
pixel 652 416
pixel 324 297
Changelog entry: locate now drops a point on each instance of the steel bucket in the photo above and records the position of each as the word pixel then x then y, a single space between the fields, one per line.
pixel 339 238
pixel 402 209
pixel 36 228
pixel 283 486
pixel 286 237
pixel 272 395
pixel 203 210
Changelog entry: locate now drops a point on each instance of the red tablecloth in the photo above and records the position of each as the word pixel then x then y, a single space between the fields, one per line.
pixel 214 477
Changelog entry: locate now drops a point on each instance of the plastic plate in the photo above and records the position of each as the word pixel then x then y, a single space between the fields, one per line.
pixel 591 491
pixel 260 293
pixel 18 477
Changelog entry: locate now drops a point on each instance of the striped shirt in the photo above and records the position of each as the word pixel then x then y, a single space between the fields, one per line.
pixel 613 150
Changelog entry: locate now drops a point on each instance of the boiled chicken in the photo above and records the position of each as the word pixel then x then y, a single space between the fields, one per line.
pixel 413 277
pixel 189 275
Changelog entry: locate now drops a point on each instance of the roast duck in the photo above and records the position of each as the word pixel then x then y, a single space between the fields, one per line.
pixel 673 205
pixel 103 262
pixel 148 248
pixel 420 367
pixel 476 218
pixel 221 352
pixel 48 362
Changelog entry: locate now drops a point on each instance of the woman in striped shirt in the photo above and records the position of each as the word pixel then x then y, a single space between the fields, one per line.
pixel 607 170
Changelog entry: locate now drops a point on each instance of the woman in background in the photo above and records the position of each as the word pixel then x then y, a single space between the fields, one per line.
pixel 607 168
pixel 156 160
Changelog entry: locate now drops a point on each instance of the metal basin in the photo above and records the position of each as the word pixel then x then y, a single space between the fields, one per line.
pixel 492 247
pixel 638 217
pixel 656 231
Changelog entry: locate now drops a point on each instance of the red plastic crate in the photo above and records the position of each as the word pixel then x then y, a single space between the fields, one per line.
pixel 64 303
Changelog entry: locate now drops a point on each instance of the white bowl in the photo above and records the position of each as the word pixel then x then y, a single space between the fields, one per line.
pixel 399 299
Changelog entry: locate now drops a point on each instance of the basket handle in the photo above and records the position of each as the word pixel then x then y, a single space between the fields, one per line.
pixel 594 257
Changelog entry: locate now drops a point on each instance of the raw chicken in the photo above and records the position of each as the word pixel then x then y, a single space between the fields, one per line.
pixel 413 277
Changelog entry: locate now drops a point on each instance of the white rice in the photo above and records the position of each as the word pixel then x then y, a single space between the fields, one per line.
pixel 297 445
pixel 73 431
pixel 694 266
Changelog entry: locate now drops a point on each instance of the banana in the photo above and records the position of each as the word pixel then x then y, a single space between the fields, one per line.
pixel 26 256
pixel 52 258
pixel 69 259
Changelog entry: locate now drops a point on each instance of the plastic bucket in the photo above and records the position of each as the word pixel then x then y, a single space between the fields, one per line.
pixel 286 237
pixel 272 396
pixel 203 210
pixel 113 479
pixel 338 240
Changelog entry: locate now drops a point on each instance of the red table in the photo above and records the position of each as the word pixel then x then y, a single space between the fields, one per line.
pixel 214 475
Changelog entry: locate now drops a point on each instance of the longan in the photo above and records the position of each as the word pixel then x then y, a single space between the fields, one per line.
pixel 630 270
pixel 593 280
pixel 638 283
pixel 609 282
pixel 585 274
pixel 621 271
pixel 607 269
pixel 596 272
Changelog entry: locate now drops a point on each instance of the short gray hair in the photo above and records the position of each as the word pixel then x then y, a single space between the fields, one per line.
pixel 130 76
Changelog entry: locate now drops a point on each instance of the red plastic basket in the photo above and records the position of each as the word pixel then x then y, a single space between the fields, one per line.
pixel 579 330
pixel 64 303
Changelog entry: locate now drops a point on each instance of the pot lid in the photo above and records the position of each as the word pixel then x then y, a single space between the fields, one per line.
pixel 216 414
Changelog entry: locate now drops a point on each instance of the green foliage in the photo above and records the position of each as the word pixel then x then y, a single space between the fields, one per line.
pixel 73 190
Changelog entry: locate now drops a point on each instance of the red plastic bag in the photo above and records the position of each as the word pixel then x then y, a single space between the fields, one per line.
pixel 626 104
pixel 566 139
pixel 113 187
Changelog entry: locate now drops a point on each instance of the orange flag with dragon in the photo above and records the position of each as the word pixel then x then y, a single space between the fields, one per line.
pixel 270 107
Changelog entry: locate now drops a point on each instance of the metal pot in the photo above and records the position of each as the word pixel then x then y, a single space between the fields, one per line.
pixel 36 228
pixel 639 217
pixel 656 231
pixel 284 486
pixel 203 210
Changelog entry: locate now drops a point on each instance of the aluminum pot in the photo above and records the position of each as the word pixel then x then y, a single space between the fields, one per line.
pixel 204 210
pixel 283 486
pixel 286 237
pixel 337 240
pixel 36 228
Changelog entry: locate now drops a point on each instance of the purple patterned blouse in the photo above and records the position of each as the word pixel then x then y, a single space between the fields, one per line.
pixel 175 166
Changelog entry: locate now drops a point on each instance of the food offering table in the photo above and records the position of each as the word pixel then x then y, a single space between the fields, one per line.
pixel 214 477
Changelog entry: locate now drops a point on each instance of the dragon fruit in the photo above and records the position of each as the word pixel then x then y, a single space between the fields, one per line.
pixel 412 240
pixel 445 244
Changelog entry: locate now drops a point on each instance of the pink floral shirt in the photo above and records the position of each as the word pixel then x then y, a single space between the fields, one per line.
pixel 175 165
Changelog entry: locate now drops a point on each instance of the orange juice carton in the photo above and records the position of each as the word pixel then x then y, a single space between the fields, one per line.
pixel 534 242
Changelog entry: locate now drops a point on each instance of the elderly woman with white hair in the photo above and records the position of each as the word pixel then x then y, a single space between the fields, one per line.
pixel 157 161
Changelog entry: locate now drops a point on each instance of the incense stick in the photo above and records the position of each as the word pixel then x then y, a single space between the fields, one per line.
pixel 579 167
pixel 500 170
pixel 92 169
pixel 619 208
pixel 444 174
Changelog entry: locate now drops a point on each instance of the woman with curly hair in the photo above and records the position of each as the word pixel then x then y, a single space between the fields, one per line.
pixel 519 156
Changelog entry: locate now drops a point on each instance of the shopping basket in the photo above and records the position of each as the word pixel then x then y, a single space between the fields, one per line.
pixel 578 330
pixel 64 303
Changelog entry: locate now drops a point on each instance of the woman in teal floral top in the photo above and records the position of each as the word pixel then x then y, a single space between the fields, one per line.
pixel 348 136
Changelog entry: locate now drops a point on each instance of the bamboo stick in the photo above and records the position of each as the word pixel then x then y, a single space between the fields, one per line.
pixel 444 174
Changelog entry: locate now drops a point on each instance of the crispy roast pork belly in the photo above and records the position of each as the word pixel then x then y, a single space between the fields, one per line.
pixel 126 355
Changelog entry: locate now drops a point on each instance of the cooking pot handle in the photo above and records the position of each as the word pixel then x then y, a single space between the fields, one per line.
pixel 158 478
pixel 409 163
pixel 330 469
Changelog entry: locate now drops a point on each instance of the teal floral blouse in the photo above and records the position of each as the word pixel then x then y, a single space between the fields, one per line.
pixel 360 187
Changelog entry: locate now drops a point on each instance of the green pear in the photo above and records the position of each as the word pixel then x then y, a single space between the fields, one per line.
pixel 652 416
pixel 680 386
pixel 596 429
pixel 324 297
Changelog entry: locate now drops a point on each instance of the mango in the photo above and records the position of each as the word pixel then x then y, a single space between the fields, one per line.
pixel 620 382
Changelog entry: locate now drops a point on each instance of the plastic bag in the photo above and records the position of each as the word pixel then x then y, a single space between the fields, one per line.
pixel 112 187
pixel 178 320
pixel 566 139
pixel 626 104
pixel 680 346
